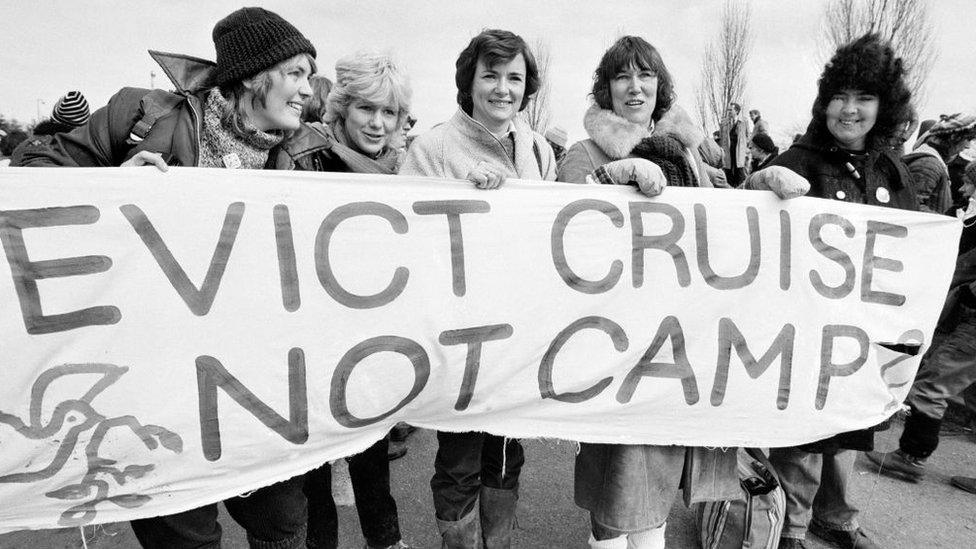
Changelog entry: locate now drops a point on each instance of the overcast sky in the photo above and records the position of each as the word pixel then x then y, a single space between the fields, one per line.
pixel 99 46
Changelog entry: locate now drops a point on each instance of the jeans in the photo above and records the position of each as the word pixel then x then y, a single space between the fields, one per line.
pixel 465 462
pixel 948 368
pixel 274 518
pixel 370 475
pixel 815 485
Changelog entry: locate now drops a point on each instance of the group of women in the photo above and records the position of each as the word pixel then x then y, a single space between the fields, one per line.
pixel 244 111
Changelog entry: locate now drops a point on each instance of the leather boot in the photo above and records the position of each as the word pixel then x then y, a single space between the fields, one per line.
pixel 461 534
pixel 498 516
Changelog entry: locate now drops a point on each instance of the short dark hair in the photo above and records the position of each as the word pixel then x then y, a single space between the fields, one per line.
pixel 738 107
pixel 493 46
pixel 633 51
pixel 868 64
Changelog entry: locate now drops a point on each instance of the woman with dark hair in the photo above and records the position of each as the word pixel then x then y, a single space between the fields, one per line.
pixel 862 100
pixel 638 135
pixel 475 482
pixel 763 151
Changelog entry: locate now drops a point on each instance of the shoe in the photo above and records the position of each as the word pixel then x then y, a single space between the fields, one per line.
pixel 845 539
pixel 401 431
pixel 791 543
pixel 964 483
pixel 898 465
pixel 396 451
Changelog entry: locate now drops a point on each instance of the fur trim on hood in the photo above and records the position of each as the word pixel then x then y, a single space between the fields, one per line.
pixel 617 137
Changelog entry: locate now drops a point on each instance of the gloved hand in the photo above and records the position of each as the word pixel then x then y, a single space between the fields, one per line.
pixel 635 171
pixel 783 181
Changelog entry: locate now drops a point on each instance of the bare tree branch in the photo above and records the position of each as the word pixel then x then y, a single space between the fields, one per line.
pixel 538 113
pixel 723 76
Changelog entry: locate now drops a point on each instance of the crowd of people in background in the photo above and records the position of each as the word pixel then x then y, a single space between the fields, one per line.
pixel 264 105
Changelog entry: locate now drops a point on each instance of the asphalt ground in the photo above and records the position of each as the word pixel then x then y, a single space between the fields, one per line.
pixel 896 514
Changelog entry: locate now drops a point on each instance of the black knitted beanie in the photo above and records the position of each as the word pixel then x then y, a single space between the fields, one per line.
pixel 251 40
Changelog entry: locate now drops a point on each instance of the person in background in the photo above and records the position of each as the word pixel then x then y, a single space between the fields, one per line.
pixel 948 367
pixel 759 124
pixel 845 155
pixel 9 144
pixel 314 109
pixel 228 114
pixel 638 135
pixel 556 136
pixel 364 112
pixel 476 475
pixel 929 160
pixel 70 111
pixel 763 151
pixel 734 135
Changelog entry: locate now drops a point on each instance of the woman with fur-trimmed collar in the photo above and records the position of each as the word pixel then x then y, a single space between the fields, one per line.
pixel 638 136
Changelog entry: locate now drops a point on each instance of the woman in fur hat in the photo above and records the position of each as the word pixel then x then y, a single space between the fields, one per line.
pixel 638 136
pixel 862 101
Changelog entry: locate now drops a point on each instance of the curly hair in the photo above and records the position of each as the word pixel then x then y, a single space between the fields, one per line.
pixel 369 77
pixel 633 51
pixel 868 64
pixel 493 46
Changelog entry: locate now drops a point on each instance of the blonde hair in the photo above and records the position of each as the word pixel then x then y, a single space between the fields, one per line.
pixel 369 77
pixel 237 93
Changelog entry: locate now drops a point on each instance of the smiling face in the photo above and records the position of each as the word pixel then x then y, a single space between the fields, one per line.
pixel 369 126
pixel 633 95
pixel 850 116
pixel 287 91
pixel 497 91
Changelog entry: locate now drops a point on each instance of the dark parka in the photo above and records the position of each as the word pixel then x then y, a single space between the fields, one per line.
pixel 878 178
pixel 129 124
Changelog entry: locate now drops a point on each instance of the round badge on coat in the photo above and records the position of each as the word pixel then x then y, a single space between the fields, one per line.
pixel 882 195
pixel 841 195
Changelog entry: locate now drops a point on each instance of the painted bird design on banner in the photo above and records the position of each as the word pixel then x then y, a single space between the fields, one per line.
pixel 69 421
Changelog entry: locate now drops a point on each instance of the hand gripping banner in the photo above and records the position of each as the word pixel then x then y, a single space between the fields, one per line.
pixel 173 339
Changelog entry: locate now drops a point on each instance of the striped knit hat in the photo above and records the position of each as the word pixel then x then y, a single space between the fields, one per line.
pixel 71 109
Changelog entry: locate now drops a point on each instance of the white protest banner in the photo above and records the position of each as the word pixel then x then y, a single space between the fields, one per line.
pixel 174 339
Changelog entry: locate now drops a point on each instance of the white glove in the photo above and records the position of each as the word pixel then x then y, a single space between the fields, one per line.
pixel 783 181
pixel 646 174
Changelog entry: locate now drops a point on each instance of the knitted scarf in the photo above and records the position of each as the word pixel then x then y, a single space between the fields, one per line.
pixel 219 140
pixel 384 163
pixel 669 154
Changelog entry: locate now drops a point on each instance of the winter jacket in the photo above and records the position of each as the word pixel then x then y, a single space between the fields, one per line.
pixel 612 138
pixel 111 137
pixel 455 147
pixel 878 178
pixel 931 178
pixel 629 487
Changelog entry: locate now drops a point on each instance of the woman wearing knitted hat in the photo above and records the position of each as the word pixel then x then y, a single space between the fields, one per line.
pixel 365 110
pixel 227 114
pixel 862 100
pixel 639 136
